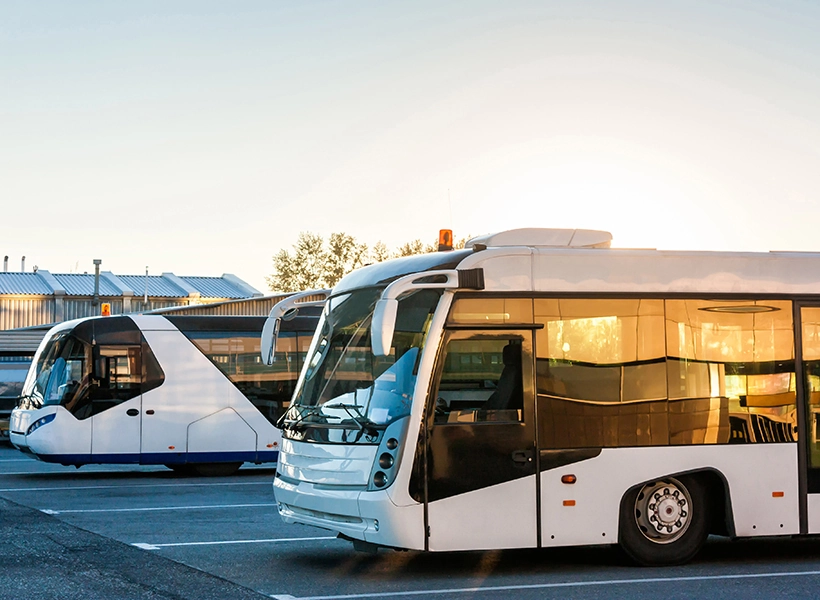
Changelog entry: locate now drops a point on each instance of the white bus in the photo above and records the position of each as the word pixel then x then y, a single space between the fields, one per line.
pixel 541 389
pixel 188 392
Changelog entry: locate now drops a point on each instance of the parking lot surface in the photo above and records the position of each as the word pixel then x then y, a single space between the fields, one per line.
pixel 145 532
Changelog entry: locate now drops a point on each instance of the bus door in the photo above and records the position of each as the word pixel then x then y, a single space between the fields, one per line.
pixel 113 399
pixel 809 408
pixel 481 488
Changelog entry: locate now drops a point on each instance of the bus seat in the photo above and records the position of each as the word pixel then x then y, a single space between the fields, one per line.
pixel 509 392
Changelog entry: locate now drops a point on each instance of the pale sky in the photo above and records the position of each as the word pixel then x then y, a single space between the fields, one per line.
pixel 201 137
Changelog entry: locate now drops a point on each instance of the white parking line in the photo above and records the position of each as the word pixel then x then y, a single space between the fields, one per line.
pixel 543 586
pixel 140 485
pixel 49 511
pixel 145 546
pixel 60 469
pixel 5 460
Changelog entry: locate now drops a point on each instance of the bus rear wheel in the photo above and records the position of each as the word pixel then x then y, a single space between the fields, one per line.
pixel 664 522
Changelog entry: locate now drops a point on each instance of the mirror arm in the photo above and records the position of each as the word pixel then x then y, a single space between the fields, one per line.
pixel 291 304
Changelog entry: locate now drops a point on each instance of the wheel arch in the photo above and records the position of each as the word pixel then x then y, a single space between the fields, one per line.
pixel 720 498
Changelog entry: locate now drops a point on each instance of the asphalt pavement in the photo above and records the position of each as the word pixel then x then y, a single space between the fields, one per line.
pixel 43 557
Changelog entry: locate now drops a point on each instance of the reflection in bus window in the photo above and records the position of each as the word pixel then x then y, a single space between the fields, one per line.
pixel 655 372
pixel 810 317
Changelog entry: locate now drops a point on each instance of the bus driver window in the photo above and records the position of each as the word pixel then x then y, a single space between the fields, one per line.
pixel 480 381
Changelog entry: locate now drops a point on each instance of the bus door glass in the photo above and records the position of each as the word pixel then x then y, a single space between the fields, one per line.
pixel 481 484
pixel 810 336
pixel 113 394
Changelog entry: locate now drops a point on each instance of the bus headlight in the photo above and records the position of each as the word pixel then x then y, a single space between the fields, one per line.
pixel 386 461
pixel 40 422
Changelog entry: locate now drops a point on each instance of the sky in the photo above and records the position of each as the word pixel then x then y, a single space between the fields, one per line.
pixel 202 137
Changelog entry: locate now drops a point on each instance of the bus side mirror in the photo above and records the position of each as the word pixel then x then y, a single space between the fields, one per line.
pixel 383 325
pixel 270 331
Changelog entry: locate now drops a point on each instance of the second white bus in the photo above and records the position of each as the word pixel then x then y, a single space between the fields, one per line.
pixel 563 393
pixel 188 392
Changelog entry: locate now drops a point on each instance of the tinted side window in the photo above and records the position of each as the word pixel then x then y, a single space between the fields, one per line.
pixel 237 355
pixel 731 371
pixel 601 373
pixel 652 372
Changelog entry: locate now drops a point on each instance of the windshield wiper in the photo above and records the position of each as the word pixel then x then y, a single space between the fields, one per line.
pixel 358 417
pixel 31 398
pixel 307 411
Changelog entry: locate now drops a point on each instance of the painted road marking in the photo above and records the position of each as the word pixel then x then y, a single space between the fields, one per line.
pixel 49 511
pixel 544 586
pixel 141 485
pixel 145 546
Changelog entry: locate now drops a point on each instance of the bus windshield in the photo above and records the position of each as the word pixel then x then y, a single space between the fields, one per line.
pixel 346 394
pixel 59 368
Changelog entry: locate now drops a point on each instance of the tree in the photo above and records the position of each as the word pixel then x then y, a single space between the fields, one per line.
pixel 302 270
pixel 343 255
pixel 415 247
pixel 380 253
pixel 313 264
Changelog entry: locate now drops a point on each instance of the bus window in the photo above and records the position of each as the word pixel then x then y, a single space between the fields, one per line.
pixel 731 371
pixel 480 381
pixel 236 354
pixel 601 373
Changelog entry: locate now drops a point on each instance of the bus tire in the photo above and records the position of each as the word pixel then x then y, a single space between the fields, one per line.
pixel 665 521
pixel 216 469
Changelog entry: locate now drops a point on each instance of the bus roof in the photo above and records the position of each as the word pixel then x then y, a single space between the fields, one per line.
pixel 537 269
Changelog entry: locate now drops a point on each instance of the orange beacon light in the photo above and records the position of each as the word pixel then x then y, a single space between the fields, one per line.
pixel 445 240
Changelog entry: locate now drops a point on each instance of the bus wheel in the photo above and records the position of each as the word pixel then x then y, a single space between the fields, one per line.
pixel 664 522
pixel 216 469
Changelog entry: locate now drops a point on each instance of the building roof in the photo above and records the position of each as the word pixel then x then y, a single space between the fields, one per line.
pixel 23 283
pixel 76 284
pixel 158 286
pixel 167 285
pixel 214 287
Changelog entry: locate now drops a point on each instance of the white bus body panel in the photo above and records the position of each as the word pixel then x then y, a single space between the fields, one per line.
pixel 752 472
pixel 114 433
pixel 814 513
pixel 179 401
pixel 510 513
pixel 223 431
pixel 555 270
pixel 64 436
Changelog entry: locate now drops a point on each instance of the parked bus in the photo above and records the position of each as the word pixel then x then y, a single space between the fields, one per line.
pixel 563 393
pixel 188 392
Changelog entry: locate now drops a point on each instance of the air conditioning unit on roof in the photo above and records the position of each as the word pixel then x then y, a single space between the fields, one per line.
pixel 544 238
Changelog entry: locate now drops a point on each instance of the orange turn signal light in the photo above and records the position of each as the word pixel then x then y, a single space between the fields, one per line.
pixel 569 502
pixel 568 478
pixel 778 494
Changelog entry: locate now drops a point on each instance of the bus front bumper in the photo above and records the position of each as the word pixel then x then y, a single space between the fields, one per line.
pixel 334 509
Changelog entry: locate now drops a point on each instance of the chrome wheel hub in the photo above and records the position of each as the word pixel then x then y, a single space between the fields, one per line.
pixel 662 510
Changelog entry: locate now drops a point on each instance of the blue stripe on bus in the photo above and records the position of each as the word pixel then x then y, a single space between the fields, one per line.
pixel 160 458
